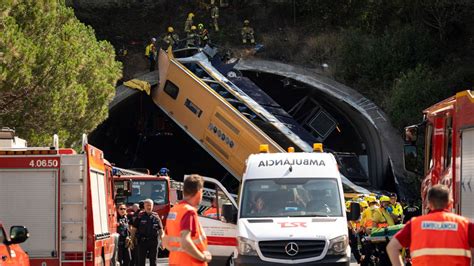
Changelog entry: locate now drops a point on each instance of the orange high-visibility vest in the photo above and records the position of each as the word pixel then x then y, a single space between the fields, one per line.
pixel 173 230
pixel 440 238
pixel 211 213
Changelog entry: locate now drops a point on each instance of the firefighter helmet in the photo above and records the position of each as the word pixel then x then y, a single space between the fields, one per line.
pixel 363 204
pixel 384 198
pixel 190 15
pixel 193 27
pixel 371 199
pixel 246 22
pixel 200 26
pixel 170 29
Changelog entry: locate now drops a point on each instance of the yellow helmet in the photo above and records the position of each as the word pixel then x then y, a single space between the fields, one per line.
pixel 193 27
pixel 370 199
pixel 246 22
pixel 363 204
pixel 348 204
pixel 170 29
pixel 190 15
pixel 384 198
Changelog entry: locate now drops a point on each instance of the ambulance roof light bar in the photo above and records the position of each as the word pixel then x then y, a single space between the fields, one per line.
pixel 263 148
pixel 291 149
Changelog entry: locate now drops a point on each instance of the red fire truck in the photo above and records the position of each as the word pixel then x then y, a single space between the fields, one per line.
pixel 445 141
pixel 144 186
pixel 64 198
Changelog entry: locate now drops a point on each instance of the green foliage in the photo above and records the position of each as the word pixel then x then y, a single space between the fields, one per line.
pixel 414 91
pixel 371 63
pixel 55 77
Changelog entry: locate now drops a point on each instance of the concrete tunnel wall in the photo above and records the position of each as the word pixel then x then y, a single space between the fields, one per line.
pixel 383 143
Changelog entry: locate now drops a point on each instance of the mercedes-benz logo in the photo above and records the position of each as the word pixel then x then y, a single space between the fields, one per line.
pixel 292 249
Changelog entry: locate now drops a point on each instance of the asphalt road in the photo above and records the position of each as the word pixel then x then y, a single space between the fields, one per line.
pixel 164 262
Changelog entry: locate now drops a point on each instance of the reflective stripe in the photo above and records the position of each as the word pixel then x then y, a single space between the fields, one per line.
pixel 173 238
pixel 175 249
pixel 440 251
pixel 199 240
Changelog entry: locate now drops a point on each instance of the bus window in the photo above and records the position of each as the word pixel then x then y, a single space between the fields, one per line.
pixel 171 89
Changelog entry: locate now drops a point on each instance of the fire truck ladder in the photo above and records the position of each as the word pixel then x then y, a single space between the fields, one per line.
pixel 73 213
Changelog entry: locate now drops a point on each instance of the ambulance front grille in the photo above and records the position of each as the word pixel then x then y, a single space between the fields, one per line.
pixel 305 249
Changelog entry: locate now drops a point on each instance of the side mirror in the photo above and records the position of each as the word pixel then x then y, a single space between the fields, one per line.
pixel 410 156
pixel 354 214
pixel 18 234
pixel 229 212
pixel 411 134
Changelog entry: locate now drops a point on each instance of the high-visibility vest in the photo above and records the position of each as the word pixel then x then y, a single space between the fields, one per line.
pixel 366 218
pixel 149 49
pixel 173 231
pixel 211 213
pixel 440 238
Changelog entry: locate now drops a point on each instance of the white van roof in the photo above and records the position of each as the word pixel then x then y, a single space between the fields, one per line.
pixel 298 164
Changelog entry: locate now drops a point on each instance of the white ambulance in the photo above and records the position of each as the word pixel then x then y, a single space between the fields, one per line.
pixel 291 211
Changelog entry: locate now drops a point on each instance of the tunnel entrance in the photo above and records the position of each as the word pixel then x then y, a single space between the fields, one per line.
pixel 137 134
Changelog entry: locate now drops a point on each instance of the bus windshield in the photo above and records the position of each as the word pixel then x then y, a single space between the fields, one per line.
pixel 291 197
pixel 157 190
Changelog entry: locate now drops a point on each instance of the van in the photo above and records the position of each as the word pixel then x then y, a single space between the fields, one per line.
pixel 292 211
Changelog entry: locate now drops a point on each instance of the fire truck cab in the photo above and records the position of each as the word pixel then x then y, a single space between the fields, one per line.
pixel 144 186
pixel 65 199
pixel 11 252
pixel 441 150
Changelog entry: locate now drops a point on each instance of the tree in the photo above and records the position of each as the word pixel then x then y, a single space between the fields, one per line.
pixel 414 91
pixel 55 76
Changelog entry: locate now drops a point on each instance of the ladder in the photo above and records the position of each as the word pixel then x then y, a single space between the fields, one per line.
pixel 73 213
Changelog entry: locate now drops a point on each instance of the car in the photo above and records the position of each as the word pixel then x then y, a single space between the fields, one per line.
pixel 11 252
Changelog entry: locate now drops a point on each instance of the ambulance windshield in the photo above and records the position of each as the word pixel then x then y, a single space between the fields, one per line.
pixel 291 197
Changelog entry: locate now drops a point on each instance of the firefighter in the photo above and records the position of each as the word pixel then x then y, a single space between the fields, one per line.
pixel 150 53
pixel 189 23
pixel 124 242
pixel 171 38
pixel 381 217
pixel 192 40
pixel 185 238
pixel 366 216
pixel 247 33
pixel 438 238
pixel 395 208
pixel 215 17
pixel 203 35
pixel 148 232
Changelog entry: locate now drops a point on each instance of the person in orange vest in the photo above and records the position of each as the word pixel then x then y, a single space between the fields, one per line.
pixel 438 238
pixel 212 211
pixel 185 238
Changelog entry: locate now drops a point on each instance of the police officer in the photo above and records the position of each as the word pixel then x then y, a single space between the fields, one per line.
pixel 149 232
pixel 395 208
pixel 410 211
pixel 124 236
pixel 438 238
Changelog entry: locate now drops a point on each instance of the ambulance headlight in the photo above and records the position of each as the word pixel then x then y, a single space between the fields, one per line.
pixel 338 245
pixel 246 246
